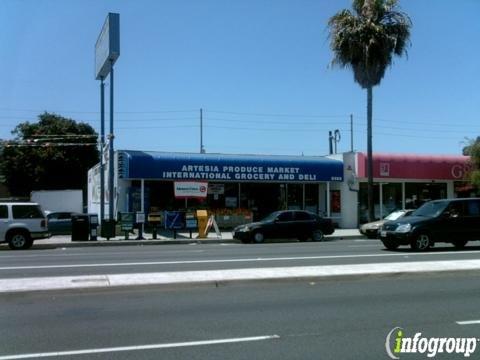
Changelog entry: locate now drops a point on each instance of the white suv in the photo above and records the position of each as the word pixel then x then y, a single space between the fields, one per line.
pixel 21 223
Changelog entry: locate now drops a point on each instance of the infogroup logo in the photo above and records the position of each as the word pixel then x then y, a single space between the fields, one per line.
pixel 397 343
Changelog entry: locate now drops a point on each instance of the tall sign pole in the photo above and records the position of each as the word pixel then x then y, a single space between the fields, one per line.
pixel 110 150
pixel 102 145
pixel 107 51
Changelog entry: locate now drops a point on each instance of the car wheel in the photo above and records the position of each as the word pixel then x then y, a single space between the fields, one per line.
pixel 421 242
pixel 19 240
pixel 317 235
pixel 460 244
pixel 258 237
pixel 390 245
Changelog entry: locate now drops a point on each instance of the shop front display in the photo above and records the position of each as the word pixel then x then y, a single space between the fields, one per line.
pixel 235 188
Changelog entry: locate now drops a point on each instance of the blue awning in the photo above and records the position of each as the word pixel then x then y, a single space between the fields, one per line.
pixel 226 167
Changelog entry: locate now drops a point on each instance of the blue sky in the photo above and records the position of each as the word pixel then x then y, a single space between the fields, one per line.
pixel 258 68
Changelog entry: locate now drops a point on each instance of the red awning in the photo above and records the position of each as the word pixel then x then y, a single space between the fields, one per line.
pixel 410 166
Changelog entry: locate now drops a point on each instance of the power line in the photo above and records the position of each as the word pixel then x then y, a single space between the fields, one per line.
pixel 276 121
pixel 97 112
pixel 279 115
pixel 411 129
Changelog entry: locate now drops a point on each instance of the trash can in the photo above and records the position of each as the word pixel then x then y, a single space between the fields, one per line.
pixel 107 229
pixel 80 227
pixel 93 228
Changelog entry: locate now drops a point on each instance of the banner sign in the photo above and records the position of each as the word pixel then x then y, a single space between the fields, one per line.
pixel 235 168
pixel 107 47
pixel 190 189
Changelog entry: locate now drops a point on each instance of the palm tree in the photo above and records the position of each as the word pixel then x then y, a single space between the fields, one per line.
pixel 366 41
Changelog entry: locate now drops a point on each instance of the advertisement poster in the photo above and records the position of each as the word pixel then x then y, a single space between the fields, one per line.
pixel 190 189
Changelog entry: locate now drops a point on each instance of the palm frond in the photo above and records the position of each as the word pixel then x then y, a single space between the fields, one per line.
pixel 367 39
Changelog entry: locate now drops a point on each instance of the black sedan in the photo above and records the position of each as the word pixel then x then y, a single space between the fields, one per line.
pixel 302 225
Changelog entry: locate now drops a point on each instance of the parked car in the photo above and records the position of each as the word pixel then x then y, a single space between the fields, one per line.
pixel 370 229
pixel 60 223
pixel 21 224
pixel 302 225
pixel 455 221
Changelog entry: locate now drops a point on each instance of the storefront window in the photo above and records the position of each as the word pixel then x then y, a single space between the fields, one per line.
pixel 311 198
pixel 295 196
pixel 416 194
pixel 464 189
pixel 335 202
pixel 216 195
pixel 231 195
pixel 391 197
pixel 363 202
pixel 261 199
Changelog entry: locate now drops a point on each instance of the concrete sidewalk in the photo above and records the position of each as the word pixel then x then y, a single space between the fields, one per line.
pixel 222 277
pixel 167 237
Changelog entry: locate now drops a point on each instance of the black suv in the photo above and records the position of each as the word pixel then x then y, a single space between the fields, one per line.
pixel 453 221
pixel 302 225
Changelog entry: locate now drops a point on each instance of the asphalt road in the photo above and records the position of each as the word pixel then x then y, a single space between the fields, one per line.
pixel 142 259
pixel 347 319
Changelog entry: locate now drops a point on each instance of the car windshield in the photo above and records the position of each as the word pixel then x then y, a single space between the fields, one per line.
pixel 271 216
pixel 395 215
pixel 431 209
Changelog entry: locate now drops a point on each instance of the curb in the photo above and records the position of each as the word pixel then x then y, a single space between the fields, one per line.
pixel 223 277
pixel 168 241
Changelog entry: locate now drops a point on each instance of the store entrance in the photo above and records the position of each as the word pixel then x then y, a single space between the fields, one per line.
pixel 262 199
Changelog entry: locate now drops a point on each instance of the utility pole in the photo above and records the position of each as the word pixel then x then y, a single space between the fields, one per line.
pixel 202 150
pixel 351 132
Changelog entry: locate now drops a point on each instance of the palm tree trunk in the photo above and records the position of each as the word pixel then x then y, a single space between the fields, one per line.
pixel 371 214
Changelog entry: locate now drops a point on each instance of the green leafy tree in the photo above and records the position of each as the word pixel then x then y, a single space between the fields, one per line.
pixel 54 153
pixel 366 40
pixel 473 150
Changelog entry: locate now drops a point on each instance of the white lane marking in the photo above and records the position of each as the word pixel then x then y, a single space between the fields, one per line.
pixel 220 276
pixel 216 261
pixel 469 322
pixel 139 347
pixel 63 254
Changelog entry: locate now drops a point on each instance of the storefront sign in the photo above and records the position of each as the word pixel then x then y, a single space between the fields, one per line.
pixel 216 189
pixel 236 168
pixel 190 189
pixel 384 169
pixel 241 173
